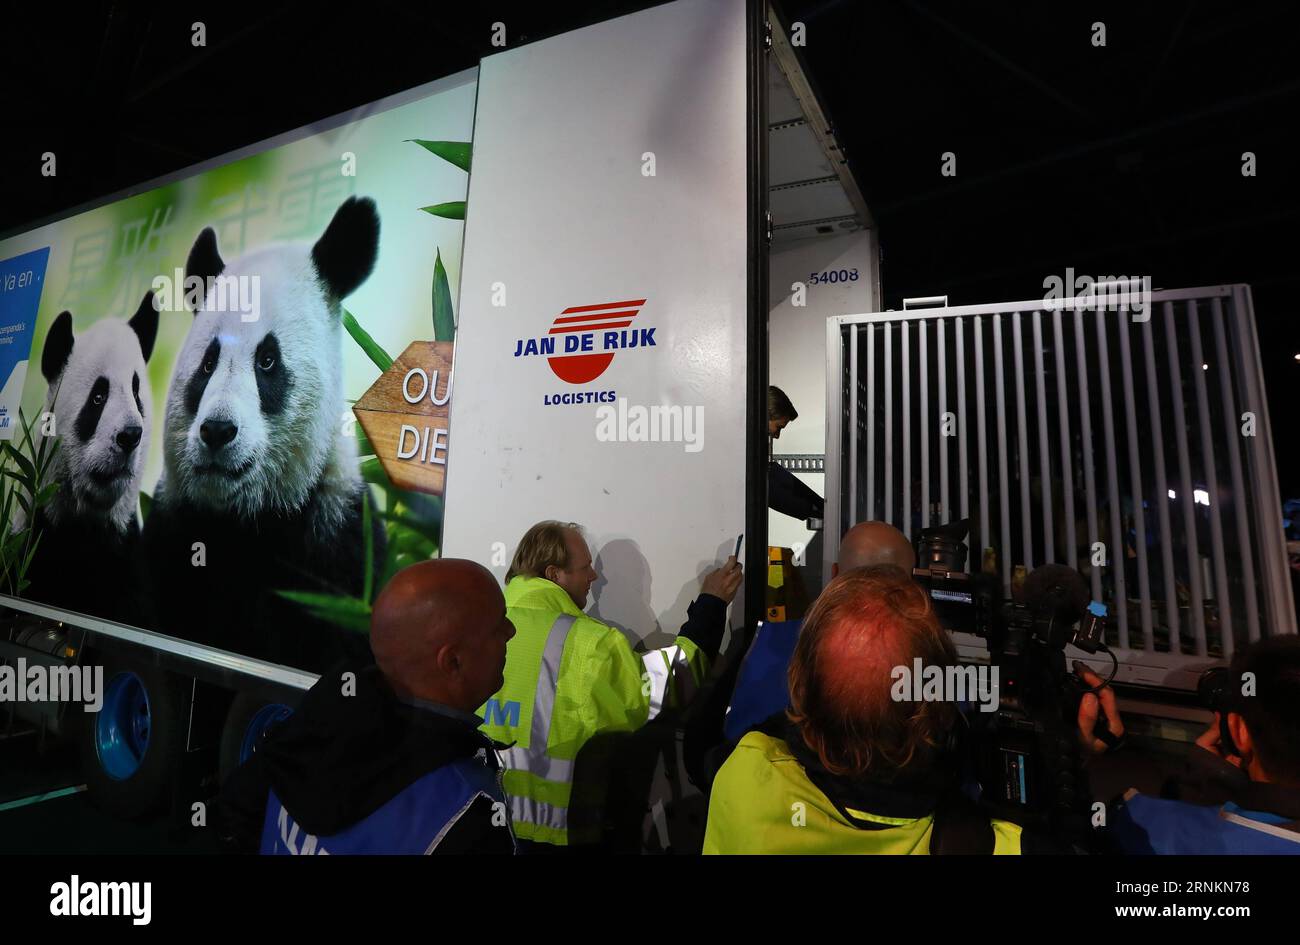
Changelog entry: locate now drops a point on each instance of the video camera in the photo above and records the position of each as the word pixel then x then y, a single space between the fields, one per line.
pixel 1216 690
pixel 1025 755
pixel 1053 609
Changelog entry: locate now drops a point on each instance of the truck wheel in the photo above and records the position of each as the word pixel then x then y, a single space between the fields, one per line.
pixel 249 719
pixel 131 749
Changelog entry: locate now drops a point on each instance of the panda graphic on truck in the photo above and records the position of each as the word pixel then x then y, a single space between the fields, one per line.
pixel 256 473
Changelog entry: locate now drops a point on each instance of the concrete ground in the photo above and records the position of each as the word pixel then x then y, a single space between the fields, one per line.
pixel 44 808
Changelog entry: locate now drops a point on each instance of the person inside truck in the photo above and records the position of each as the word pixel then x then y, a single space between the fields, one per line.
pixel 785 492
pixel 1250 756
pixel 574 685
pixel 388 758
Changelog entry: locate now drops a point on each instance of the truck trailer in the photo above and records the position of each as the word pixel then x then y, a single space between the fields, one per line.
pixel 589 266
pixel 587 258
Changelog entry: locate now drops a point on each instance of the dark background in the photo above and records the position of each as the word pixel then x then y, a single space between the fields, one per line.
pixel 1117 160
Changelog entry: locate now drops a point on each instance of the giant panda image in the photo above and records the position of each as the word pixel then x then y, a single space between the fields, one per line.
pixel 260 490
pixel 87 554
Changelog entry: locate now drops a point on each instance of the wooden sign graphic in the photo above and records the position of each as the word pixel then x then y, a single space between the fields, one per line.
pixel 404 414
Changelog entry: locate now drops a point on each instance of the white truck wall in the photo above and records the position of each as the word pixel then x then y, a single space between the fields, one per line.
pixel 797 359
pixel 563 213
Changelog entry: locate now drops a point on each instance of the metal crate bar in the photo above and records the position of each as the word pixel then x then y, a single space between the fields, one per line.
pixel 986 534
pixel 1026 517
pixel 1199 369
pixel 888 485
pixel 1115 550
pixel 1067 459
pixel 1085 426
pixel 1004 501
pixel 1044 443
pixel 1162 506
pixel 853 424
pixel 923 428
pixel 1187 495
pixel 906 510
pixel 1135 487
pixel 871 424
pixel 945 514
pixel 964 487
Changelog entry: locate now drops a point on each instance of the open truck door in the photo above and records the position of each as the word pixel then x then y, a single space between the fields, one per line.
pixel 610 364
pixel 611 289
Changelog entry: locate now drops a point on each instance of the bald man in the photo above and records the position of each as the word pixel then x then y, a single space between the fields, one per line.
pixel 761 689
pixel 389 758
pixel 869 544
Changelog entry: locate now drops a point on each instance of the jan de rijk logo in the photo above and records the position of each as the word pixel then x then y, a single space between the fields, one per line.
pixel 583 339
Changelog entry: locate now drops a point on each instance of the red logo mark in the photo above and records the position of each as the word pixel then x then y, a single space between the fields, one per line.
pixel 583 368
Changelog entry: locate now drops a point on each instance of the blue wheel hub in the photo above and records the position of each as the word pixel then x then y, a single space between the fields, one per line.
pixel 262 720
pixel 122 726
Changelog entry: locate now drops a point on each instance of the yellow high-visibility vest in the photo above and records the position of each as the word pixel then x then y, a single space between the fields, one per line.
pixel 568 678
pixel 764 802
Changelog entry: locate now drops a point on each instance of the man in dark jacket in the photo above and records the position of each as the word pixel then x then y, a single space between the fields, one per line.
pixel 388 758
pixel 786 493
pixel 1247 767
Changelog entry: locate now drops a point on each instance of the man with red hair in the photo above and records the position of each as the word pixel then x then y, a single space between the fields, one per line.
pixel 852 768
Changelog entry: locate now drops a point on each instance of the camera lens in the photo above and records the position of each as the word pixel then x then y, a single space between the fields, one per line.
pixel 944 553
pixel 1212 688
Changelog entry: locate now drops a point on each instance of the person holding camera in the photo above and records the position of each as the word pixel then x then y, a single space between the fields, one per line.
pixel 852 768
pixel 856 765
pixel 1251 752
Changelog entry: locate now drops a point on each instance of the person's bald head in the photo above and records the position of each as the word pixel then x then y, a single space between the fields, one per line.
pixel 439 630
pixel 868 544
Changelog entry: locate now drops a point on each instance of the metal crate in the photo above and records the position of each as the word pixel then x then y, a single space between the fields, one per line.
pixel 1056 426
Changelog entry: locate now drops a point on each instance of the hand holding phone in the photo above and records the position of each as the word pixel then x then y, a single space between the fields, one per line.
pixel 723 582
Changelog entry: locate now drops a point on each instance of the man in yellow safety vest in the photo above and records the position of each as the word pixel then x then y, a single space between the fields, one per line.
pixel 570 677
pixel 854 768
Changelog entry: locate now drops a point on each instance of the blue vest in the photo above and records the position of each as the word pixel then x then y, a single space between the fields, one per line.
pixel 762 688
pixel 1153 825
pixel 412 823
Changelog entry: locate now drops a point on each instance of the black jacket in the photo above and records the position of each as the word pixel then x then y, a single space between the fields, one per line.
pixel 706 622
pixel 788 494
pixel 340 758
